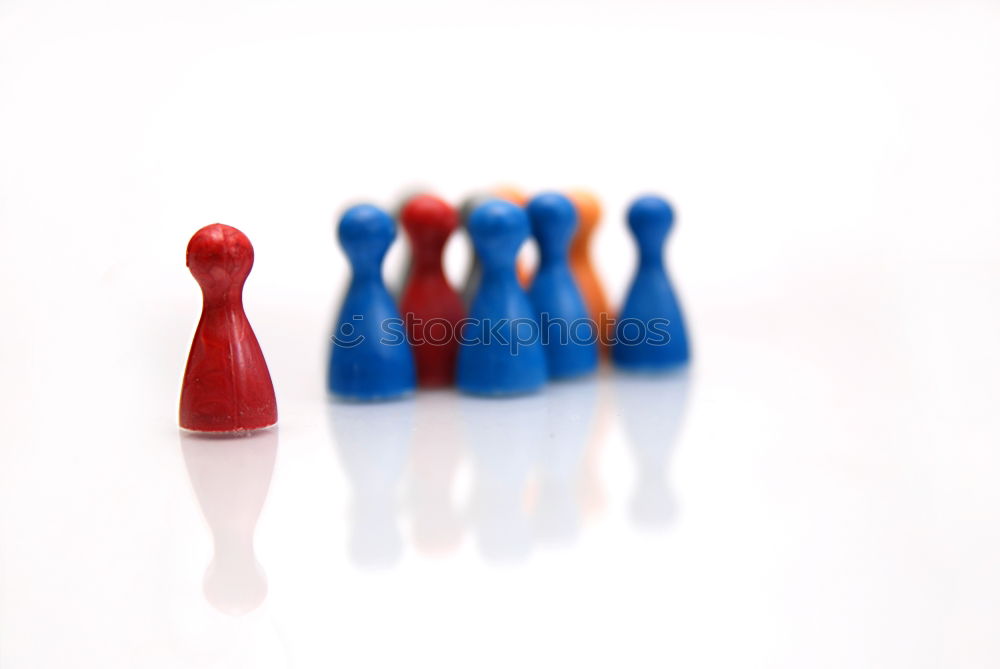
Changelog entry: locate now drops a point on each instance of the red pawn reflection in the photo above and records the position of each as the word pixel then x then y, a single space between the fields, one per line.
pixel 430 306
pixel 227 387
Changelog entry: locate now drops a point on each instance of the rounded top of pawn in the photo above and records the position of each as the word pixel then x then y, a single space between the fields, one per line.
pixel 511 194
pixel 498 228
pixel 553 220
pixel 365 232
pixel 588 210
pixel 428 216
pixel 508 193
pixel 469 204
pixel 650 217
pixel 219 256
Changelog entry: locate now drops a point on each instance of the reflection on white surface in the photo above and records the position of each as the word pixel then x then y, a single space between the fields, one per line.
pixel 503 437
pixel 533 464
pixel 571 416
pixel 231 477
pixel 436 516
pixel 652 410
pixel 373 443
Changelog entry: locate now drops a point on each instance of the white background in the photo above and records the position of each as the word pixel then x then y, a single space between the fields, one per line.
pixel 819 491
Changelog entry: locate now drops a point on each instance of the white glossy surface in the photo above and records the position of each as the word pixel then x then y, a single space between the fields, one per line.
pixel 820 490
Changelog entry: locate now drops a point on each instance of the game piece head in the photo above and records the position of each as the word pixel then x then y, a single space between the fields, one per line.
pixel 650 218
pixel 365 232
pixel 553 220
pixel 588 210
pixel 469 205
pixel 405 194
pixel 220 258
pixel 511 194
pixel 498 228
pixel 428 218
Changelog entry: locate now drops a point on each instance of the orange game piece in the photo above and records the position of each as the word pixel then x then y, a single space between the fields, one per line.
pixel 589 212
pixel 511 194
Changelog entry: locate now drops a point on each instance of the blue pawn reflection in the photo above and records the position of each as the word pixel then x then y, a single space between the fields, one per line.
pixel 503 438
pixel 650 335
pixel 373 444
pixel 370 357
pixel 570 415
pixel 652 411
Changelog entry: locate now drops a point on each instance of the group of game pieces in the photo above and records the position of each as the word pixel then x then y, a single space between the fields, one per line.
pixel 512 333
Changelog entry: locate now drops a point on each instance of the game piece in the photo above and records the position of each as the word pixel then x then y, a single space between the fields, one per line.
pixel 588 210
pixel 649 333
pixel 397 277
pixel 370 358
pixel 231 479
pixel 510 194
pixel 475 273
pixel 430 306
pixel 226 387
pixel 500 352
pixel 520 198
pixel 568 335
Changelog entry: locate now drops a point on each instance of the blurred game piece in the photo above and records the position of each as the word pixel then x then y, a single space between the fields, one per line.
pixel 226 387
pixel 500 352
pixel 475 273
pixel 230 479
pixel 430 306
pixel 520 198
pixel 650 334
pixel 397 277
pixel 510 194
pixel 370 358
pixel 568 335
pixel 588 210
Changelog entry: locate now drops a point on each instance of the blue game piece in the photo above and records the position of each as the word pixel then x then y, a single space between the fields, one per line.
pixel 499 351
pixel 371 358
pixel 568 334
pixel 475 273
pixel 650 334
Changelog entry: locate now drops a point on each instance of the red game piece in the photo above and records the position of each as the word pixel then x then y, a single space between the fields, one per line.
pixel 430 306
pixel 227 387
